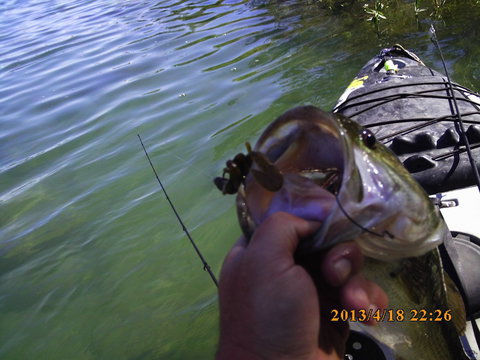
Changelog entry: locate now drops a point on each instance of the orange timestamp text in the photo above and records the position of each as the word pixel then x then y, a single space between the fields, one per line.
pixel 390 315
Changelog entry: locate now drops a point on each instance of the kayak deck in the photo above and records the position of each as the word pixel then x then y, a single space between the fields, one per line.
pixel 409 107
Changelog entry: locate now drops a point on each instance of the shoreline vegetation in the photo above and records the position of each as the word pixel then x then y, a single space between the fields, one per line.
pixel 384 16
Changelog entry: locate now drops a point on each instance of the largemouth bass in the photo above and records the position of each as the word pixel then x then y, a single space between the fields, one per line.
pixel 327 168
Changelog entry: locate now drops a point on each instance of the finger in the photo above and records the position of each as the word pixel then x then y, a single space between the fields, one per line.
pixel 360 293
pixel 280 233
pixel 341 262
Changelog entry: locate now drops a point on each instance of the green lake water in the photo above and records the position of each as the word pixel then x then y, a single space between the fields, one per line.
pixel 93 263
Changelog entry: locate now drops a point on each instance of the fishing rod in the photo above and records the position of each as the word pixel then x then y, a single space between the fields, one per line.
pixel 184 228
pixel 463 135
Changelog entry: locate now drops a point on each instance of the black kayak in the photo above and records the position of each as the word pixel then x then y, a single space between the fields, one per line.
pixel 411 109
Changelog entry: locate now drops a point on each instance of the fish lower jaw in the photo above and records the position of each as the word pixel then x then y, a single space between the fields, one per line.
pixel 391 249
pixel 298 196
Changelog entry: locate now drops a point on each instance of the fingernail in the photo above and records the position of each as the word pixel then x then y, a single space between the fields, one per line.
pixel 361 297
pixel 342 267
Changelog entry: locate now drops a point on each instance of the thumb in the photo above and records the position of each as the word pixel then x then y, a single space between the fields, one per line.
pixel 279 235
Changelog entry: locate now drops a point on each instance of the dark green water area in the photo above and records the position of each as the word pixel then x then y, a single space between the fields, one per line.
pixel 93 264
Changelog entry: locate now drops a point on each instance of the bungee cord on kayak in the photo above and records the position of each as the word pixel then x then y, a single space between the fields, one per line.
pixel 453 153
pixel 425 122
pixel 395 88
pixel 389 98
pixel 346 105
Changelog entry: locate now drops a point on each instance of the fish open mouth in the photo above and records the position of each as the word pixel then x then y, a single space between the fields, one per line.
pixel 327 178
pixel 307 147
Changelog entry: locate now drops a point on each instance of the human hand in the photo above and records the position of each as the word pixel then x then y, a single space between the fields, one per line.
pixel 272 308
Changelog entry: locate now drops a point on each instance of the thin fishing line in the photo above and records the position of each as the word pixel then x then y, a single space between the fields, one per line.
pixel 447 118
pixel 184 228
pixel 391 98
pixel 347 104
pixel 352 220
pixel 453 152
pixel 396 86
pixel 408 130
pixel 424 123
pixel 459 116
pixel 186 162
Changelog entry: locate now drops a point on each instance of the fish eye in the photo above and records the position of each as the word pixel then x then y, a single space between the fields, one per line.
pixel 368 138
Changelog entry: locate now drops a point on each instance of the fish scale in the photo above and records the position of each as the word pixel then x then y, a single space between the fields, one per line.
pixel 418 284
